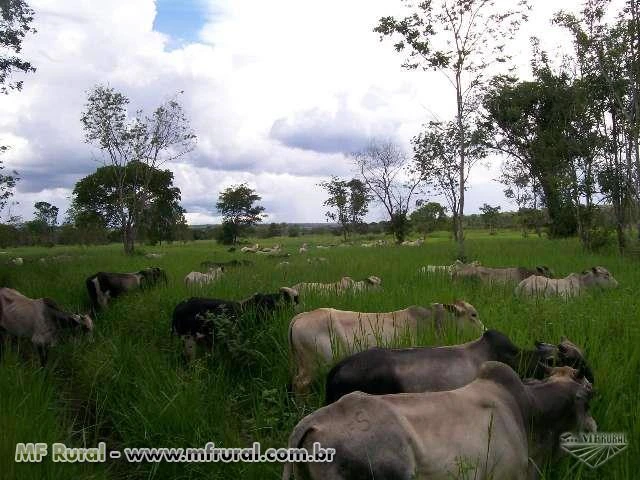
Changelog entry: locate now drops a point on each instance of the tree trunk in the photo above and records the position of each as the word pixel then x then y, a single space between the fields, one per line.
pixel 128 239
pixel 461 138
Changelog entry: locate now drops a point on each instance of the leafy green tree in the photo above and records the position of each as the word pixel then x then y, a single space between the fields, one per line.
pixel 46 220
pixel 135 148
pixel 7 184
pixel 349 201
pixel 537 124
pixel 463 39
pixel 237 206
pixel 429 217
pixel 15 24
pixel 490 217
pixel 96 200
pixel 46 213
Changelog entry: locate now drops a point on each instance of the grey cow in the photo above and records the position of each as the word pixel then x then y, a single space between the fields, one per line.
pixel 570 286
pixel 40 319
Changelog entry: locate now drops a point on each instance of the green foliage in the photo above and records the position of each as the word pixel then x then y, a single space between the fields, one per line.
pixel 490 216
pixel 134 148
pixel 236 205
pixel 349 201
pixel 15 24
pixel 429 217
pixel 97 201
pixel 46 213
pixel 226 235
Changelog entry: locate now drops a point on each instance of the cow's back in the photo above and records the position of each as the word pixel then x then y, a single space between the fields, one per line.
pixel 20 315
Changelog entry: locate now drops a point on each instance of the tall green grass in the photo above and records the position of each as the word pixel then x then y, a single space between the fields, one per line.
pixel 128 385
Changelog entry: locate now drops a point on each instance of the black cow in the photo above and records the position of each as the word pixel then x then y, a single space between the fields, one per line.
pixel 190 316
pixel 103 286
pixel 230 263
pixel 381 371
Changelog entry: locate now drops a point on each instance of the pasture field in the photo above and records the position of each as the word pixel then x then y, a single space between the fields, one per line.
pixel 129 387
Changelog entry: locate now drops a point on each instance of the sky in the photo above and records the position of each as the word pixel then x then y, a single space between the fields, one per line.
pixel 278 93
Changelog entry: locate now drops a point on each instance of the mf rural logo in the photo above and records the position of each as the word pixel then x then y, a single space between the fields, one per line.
pixel 593 449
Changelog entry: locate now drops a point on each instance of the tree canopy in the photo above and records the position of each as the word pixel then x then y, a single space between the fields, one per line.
pixel 237 205
pixel 97 196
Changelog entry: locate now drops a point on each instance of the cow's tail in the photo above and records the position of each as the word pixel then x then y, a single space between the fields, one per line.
pixel 91 290
pixel 296 440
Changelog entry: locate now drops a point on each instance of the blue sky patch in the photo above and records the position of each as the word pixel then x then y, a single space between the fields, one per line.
pixel 180 19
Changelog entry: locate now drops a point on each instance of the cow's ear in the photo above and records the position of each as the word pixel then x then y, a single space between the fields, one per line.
pixel 454 307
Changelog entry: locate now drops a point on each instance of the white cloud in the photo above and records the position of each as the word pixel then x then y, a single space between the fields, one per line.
pixel 271 89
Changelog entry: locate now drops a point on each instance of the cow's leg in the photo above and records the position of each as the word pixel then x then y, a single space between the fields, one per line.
pixel 190 347
pixel 3 339
pixel 42 353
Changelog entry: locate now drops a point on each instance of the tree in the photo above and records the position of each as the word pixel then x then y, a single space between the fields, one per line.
pixel 15 23
pixel 14 26
pixel 490 217
pixel 7 184
pixel 429 217
pixel 537 124
pixel 135 148
pixel 608 55
pixel 462 39
pixel 436 157
pixel 46 213
pixel 349 201
pixel 385 170
pixel 96 201
pixel 46 220
pixel 236 205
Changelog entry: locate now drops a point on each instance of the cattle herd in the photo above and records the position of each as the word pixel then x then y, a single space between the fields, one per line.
pixel 487 406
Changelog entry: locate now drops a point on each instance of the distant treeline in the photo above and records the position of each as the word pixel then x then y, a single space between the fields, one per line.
pixel 527 221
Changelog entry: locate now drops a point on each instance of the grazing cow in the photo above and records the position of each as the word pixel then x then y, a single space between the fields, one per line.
pixel 569 286
pixel 17 261
pixel 384 370
pixel 190 316
pixel 317 260
pixel 342 286
pixel 325 334
pixel 498 275
pixel 496 427
pixel 448 269
pixel 414 243
pixel 270 251
pixel 104 286
pixel 40 319
pixel 200 279
pixel 230 263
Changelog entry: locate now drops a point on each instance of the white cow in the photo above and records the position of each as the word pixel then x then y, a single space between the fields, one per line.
pixel 325 334
pixel 199 279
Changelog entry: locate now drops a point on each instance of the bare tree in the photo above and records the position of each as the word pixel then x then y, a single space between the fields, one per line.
pixel 147 141
pixel 386 171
